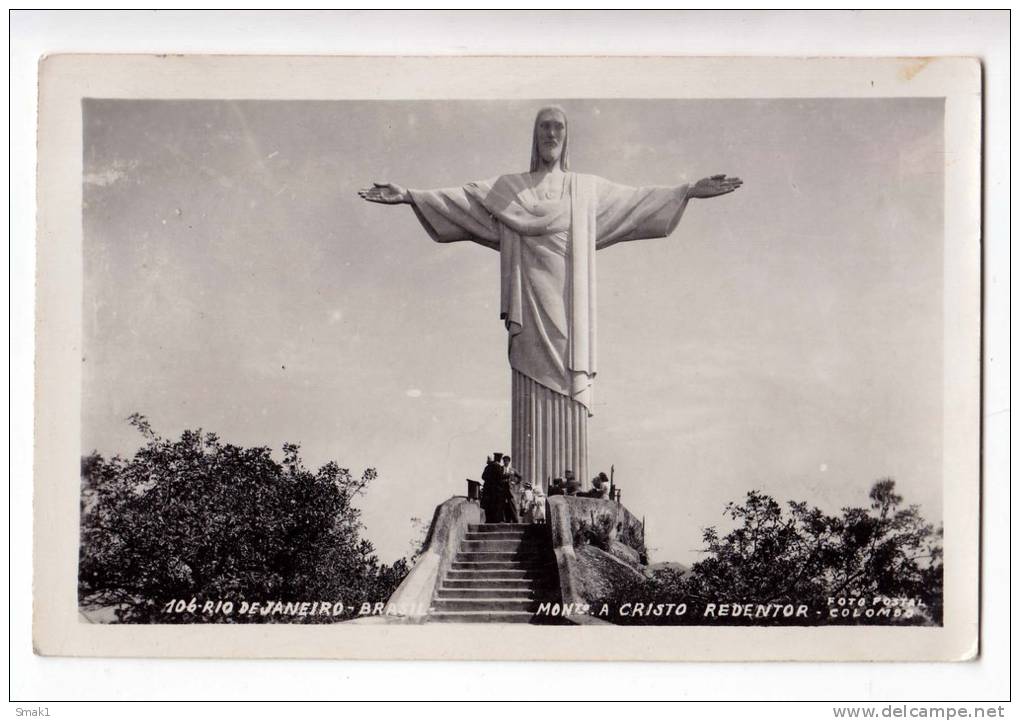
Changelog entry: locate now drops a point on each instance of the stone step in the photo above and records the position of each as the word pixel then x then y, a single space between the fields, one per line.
pixel 501 527
pixel 495 574
pixel 515 593
pixel 499 574
pixel 523 557
pixel 456 565
pixel 500 545
pixel 458 582
pixel 480 617
pixel 496 536
pixel 484 604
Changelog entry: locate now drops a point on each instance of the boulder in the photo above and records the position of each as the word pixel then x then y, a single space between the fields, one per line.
pixel 625 552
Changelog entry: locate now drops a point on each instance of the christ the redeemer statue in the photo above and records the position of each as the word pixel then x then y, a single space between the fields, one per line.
pixel 547 225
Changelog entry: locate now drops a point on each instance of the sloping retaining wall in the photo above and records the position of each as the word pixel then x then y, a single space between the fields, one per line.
pixel 410 602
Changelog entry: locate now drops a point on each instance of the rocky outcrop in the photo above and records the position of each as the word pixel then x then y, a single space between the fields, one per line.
pixel 598 544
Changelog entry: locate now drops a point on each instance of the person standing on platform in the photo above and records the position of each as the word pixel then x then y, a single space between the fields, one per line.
pixel 538 506
pixel 570 483
pixel 527 504
pixel 492 490
pixel 508 509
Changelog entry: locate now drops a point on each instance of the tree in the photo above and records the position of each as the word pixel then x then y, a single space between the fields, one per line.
pixel 199 519
pixel 883 557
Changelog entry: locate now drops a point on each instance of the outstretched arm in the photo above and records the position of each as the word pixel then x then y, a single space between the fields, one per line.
pixel 448 214
pixel 626 213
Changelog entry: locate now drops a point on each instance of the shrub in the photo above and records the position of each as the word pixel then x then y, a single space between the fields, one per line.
pixel 198 518
pixel 633 535
pixel 801 556
pixel 597 530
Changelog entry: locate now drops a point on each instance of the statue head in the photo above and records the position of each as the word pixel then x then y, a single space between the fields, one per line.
pixel 549 139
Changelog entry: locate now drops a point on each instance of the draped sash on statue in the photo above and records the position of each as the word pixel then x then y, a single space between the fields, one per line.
pixel 530 289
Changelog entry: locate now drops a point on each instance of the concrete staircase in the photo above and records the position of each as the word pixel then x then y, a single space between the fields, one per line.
pixel 501 572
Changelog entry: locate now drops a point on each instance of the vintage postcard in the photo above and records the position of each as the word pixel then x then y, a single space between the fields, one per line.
pixel 628 358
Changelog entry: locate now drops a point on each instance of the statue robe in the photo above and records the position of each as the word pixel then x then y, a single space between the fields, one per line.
pixel 547 292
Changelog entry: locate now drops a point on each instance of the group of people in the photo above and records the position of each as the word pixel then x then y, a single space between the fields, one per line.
pixel 568 486
pixel 506 498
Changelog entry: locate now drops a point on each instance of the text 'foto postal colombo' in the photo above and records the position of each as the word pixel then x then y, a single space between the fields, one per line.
pixel 635 358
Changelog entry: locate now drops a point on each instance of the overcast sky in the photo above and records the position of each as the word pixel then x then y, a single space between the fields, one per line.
pixel 787 337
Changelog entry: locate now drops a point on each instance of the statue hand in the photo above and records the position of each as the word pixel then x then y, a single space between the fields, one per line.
pixel 715 185
pixel 388 193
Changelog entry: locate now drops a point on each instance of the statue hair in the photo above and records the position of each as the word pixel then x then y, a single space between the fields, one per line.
pixel 536 158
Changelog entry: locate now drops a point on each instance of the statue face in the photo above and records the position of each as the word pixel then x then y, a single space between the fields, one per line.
pixel 551 128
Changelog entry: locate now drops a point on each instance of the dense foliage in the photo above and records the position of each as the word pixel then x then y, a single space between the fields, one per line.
pixel 846 568
pixel 196 518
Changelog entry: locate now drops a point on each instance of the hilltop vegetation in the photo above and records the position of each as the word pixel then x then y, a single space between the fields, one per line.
pixel 199 519
pixel 856 567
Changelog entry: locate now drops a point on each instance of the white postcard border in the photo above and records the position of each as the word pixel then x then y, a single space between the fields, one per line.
pixel 65 80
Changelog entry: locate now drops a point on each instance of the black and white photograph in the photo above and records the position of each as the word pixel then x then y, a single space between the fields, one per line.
pixel 579 363
pixel 279 377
